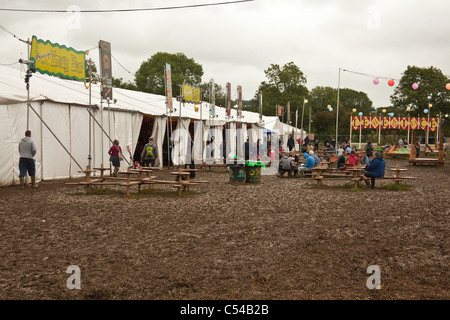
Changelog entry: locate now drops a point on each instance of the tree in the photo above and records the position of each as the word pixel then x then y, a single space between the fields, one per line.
pixel 119 83
pixel 284 84
pixel 219 93
pixel 323 121
pixel 431 89
pixel 150 75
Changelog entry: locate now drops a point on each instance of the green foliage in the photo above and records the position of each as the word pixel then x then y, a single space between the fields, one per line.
pixel 284 84
pixel 119 83
pixel 324 121
pixel 431 90
pixel 150 75
pixel 219 93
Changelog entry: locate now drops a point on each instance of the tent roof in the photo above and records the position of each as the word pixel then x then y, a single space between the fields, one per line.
pixel 44 87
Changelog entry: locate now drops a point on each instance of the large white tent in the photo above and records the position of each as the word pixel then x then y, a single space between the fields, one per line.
pixel 64 107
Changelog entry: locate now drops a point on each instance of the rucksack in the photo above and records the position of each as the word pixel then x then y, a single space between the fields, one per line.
pixel 149 152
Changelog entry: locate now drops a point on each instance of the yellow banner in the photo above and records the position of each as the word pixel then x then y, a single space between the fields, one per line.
pixel 190 93
pixel 56 60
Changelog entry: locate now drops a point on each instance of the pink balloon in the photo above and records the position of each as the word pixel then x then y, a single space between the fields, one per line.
pixel 376 81
pixel 415 86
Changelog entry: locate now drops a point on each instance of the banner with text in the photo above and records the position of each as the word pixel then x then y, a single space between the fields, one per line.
pixel 190 93
pixel 58 60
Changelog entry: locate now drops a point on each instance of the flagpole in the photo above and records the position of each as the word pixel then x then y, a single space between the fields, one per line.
pixel 337 109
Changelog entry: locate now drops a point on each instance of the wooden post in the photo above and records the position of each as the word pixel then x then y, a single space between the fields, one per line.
pixel 140 178
pixel 188 178
pixel 412 152
pixel 149 175
pixel 101 175
pixel 441 149
pixel 128 182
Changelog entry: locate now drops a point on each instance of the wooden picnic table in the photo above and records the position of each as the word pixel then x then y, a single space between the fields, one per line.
pixel 356 175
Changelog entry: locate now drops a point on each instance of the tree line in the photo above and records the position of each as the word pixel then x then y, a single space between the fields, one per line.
pixel 287 84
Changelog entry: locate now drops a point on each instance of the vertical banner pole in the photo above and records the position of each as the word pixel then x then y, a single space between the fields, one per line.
pixel 337 109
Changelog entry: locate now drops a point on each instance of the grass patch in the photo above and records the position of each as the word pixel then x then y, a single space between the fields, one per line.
pixel 394 187
pixel 347 186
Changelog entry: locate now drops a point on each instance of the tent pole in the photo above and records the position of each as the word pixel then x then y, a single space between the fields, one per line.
pixel 337 110
pixel 62 145
pixel 90 108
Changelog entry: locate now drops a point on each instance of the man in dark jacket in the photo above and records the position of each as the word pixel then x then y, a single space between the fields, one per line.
pixel 374 170
pixel 291 143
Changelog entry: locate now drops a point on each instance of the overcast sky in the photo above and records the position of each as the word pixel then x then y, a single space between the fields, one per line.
pixel 237 42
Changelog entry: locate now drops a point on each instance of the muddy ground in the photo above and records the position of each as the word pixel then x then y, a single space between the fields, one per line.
pixel 284 238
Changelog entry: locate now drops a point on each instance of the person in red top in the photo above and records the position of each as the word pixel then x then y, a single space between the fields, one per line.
pixel 116 154
pixel 352 160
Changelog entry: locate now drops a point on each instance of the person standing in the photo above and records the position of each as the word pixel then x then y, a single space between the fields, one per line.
pixel 116 155
pixel 417 146
pixel 27 151
pixel 149 154
pixel 369 149
pixel 291 143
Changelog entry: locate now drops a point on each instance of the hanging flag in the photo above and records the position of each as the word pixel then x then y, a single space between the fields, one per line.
pixel 105 69
pixel 289 112
pixel 190 93
pixel 228 99
pixel 239 92
pixel 260 107
pixel 212 99
pixel 168 81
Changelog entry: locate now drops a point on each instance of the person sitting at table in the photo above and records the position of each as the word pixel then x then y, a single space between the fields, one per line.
pixel 365 159
pixel 340 151
pixel 308 165
pixel 315 157
pixel 348 149
pixel 352 160
pixel 341 161
pixel 286 165
pixel 374 170
pixel 295 162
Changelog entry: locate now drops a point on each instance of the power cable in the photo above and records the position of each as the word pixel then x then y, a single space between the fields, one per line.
pixel 127 10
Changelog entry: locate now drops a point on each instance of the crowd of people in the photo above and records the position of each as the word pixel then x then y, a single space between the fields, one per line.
pixel 347 157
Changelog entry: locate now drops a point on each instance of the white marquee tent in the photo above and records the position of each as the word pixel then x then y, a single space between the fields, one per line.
pixel 63 106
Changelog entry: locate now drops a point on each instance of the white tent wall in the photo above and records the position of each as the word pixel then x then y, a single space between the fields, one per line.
pixel 231 141
pixel 55 160
pixel 124 126
pixel 182 141
pixel 254 135
pixel 79 139
pixel 158 134
pixel 7 154
pixel 241 138
pixel 13 130
pixel 218 144
pixel 199 131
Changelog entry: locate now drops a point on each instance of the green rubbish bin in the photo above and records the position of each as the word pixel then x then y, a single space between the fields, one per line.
pixel 237 173
pixel 253 171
